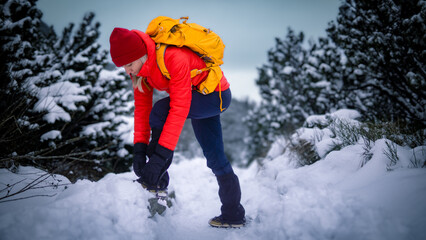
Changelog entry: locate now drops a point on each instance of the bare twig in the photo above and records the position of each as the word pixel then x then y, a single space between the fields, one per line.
pixel 6 120
pixel 37 183
pixel 27 187
pixel 49 186
pixel 62 144
pixel 10 187
pixel 72 156
pixel 16 199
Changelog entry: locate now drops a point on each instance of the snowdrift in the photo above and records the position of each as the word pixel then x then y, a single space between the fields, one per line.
pixel 334 198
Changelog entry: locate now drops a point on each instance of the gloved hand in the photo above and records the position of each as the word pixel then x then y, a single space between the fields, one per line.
pixel 139 158
pixel 157 164
pixel 164 181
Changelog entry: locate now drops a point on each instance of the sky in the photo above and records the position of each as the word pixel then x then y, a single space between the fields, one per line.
pixel 247 27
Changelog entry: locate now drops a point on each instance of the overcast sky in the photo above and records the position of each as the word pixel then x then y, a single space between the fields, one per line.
pixel 247 27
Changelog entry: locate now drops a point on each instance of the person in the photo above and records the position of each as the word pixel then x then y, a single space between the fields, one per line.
pixel 157 127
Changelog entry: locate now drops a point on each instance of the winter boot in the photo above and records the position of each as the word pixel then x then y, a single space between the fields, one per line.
pixel 233 213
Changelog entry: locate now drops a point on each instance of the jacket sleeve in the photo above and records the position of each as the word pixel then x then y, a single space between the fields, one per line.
pixel 143 106
pixel 180 91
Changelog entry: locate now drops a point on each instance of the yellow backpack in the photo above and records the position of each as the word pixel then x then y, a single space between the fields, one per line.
pixel 205 43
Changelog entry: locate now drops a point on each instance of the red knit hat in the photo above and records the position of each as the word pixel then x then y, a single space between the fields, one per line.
pixel 125 46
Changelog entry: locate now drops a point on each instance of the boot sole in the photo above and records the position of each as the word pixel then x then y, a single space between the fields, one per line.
pixel 225 225
pixel 228 226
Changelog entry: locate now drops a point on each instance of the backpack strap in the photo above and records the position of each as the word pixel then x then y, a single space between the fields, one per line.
pixel 161 51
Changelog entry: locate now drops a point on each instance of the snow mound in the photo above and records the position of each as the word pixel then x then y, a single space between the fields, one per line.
pixel 343 114
pixel 331 199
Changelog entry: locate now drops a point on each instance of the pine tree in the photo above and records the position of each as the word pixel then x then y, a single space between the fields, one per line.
pixel 286 83
pixel 324 72
pixel 295 84
pixel 61 109
pixel 258 139
pixel 384 44
pixel 281 84
pixel 22 60
pixel 103 103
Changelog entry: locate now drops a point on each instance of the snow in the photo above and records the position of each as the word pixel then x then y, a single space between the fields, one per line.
pixel 276 148
pixel 324 67
pixel 333 198
pixel 125 130
pixel 80 58
pixel 96 128
pixel 55 112
pixel 321 84
pixel 342 114
pixel 18 24
pixel 53 134
pixel 341 196
pixel 346 113
pixel 56 96
pixel 288 70
pixel 106 75
pixel 358 72
pixel 324 146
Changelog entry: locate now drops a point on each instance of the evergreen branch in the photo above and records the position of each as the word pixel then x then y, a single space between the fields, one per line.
pixel 62 144
pixel 5 121
pixel 389 94
pixel 44 151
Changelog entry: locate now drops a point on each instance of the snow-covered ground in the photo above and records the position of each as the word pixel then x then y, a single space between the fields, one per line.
pixel 332 199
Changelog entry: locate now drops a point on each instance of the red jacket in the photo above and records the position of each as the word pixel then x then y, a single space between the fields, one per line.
pixel 179 63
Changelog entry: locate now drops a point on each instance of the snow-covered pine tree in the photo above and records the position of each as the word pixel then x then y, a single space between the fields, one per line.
pixel 286 81
pixel 96 120
pixel 60 109
pixel 24 64
pixel 281 88
pixel 385 48
pixel 324 70
pixel 257 141
pixel 281 84
pixel 295 84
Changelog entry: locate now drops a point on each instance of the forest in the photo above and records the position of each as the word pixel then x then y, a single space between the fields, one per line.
pixel 67 110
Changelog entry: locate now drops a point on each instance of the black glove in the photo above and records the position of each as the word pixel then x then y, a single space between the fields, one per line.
pixel 156 166
pixel 139 158
pixel 164 181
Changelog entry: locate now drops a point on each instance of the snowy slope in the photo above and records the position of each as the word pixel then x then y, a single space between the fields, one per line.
pixel 331 199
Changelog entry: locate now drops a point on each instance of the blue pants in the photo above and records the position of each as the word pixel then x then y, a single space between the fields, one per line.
pixel 205 118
